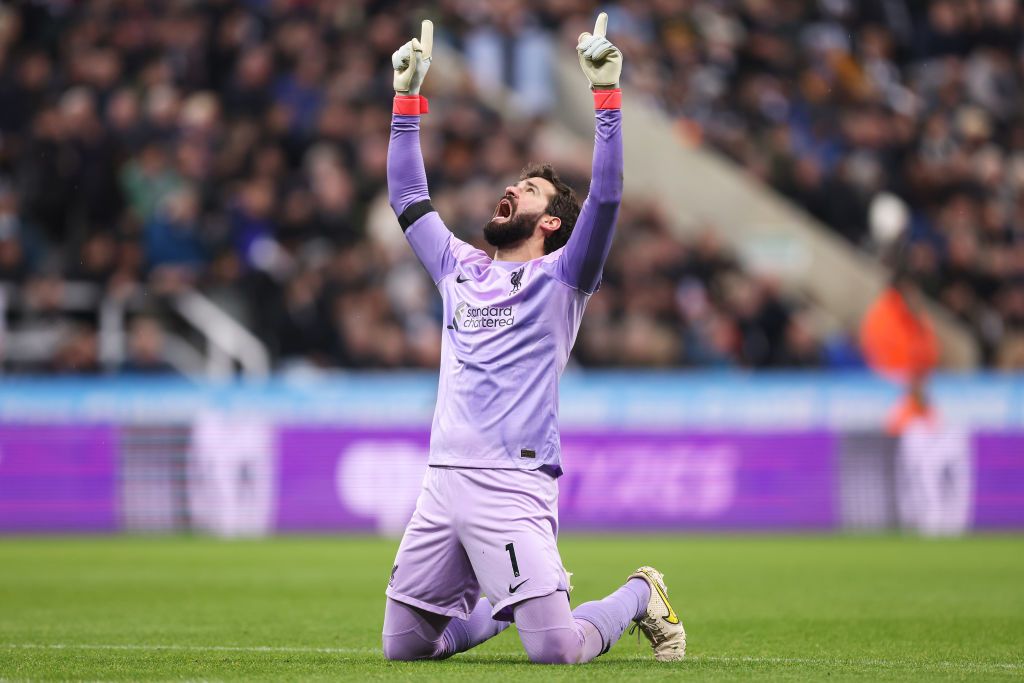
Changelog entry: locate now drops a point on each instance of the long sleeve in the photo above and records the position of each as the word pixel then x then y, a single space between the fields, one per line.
pixel 584 255
pixel 428 236
pixel 407 177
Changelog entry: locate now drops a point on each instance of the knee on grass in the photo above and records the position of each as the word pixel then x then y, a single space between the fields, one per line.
pixel 407 647
pixel 555 646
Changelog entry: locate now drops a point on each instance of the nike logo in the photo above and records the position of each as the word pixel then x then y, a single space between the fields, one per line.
pixel 513 589
pixel 671 617
pixel 460 278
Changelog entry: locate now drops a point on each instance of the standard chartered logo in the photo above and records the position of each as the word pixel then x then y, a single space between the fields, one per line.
pixel 474 318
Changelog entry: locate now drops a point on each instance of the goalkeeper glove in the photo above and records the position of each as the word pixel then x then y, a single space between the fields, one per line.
pixel 601 61
pixel 412 60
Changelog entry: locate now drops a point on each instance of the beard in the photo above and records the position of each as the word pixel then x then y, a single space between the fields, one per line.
pixel 505 233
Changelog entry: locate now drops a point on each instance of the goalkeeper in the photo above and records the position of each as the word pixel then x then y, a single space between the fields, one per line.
pixel 486 521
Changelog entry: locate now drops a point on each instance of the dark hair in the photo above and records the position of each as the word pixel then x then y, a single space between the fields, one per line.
pixel 564 205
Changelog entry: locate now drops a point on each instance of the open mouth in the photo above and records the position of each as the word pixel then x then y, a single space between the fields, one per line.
pixel 504 210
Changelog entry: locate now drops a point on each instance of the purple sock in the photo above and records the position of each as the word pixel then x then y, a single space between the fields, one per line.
pixel 612 615
pixel 461 635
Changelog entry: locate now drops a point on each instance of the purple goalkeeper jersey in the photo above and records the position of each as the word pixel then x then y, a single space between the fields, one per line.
pixel 508 327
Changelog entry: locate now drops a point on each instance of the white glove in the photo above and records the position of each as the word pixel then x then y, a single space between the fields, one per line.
pixel 601 61
pixel 412 60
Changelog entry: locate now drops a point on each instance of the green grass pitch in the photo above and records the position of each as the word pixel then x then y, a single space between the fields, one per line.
pixel 778 608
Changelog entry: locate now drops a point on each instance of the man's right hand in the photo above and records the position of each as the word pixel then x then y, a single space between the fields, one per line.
pixel 412 60
pixel 600 60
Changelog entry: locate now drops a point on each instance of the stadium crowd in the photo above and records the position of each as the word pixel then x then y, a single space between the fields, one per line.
pixel 239 148
pixel 834 103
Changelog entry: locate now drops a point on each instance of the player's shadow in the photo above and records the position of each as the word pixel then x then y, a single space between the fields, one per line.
pixel 484 659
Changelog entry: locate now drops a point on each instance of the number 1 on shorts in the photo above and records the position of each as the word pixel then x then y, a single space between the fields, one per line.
pixel 512 556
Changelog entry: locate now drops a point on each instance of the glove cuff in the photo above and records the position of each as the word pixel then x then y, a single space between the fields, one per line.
pixel 608 99
pixel 410 105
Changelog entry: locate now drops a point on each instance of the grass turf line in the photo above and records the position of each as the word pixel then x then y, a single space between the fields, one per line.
pixel 779 608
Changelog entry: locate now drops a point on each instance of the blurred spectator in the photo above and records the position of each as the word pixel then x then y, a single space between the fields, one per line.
pixel 897 337
pixel 78 352
pixel 173 233
pixel 146 348
pixel 305 335
pixel 15 240
pixel 506 47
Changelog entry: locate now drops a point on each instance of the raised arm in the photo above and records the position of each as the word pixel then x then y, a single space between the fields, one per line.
pixel 584 255
pixel 407 177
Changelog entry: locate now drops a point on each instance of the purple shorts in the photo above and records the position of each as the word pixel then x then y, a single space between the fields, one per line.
pixel 479 530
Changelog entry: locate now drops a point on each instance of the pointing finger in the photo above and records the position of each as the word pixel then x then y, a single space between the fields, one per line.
pixel 427 38
pixel 601 27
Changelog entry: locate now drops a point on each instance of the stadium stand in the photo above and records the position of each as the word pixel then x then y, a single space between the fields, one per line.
pixel 235 151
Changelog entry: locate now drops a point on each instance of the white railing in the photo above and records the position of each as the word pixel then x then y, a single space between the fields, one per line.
pixel 227 340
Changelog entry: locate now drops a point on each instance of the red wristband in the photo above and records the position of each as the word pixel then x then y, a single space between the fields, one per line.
pixel 410 105
pixel 608 99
